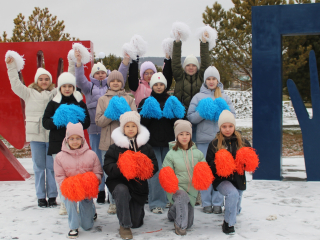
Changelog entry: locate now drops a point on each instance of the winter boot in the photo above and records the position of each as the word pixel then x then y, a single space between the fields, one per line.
pixel 101 197
pixel 42 202
pixel 125 233
pixel 198 200
pixel 112 209
pixel 157 210
pixel 73 233
pixel 217 209
pixel 52 202
pixel 95 216
pixel 226 229
pixel 62 210
pixel 207 209
pixel 180 231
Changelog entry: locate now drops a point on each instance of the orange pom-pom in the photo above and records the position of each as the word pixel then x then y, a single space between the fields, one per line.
pixel 246 160
pixel 71 188
pixel 202 176
pixel 225 164
pixel 168 180
pixel 144 166
pixel 90 184
pixel 127 164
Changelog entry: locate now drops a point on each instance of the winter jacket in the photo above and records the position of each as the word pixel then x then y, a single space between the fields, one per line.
pixel 57 135
pixel 187 86
pixel 138 189
pixel 161 130
pixel 206 129
pixel 176 160
pixel 105 123
pixel 93 91
pixel 140 88
pixel 69 162
pixel 35 100
pixel 238 181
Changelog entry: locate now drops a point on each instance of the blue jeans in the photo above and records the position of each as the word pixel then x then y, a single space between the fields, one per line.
pixel 45 182
pixel 209 197
pixel 233 201
pixel 157 196
pixel 94 143
pixel 109 193
pixel 194 133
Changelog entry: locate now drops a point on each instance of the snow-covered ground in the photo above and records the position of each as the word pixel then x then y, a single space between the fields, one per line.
pixel 294 203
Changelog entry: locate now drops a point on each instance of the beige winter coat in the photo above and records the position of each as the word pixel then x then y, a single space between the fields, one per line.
pixel 36 101
pixel 106 124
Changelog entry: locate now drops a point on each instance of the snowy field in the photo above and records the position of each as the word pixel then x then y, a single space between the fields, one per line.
pixel 294 203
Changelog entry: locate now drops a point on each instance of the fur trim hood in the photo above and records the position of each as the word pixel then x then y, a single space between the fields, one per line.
pixel 35 86
pixel 122 140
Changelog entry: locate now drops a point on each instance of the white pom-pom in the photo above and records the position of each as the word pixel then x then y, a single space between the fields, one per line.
pixel 71 56
pixel 19 60
pixel 180 31
pixel 167 46
pixel 85 54
pixel 129 49
pixel 213 35
pixel 139 44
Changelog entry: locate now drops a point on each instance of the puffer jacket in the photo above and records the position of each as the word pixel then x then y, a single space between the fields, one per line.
pixel 177 161
pixel 106 124
pixel 186 85
pixel 70 162
pixel 206 129
pixel 93 91
pixel 36 101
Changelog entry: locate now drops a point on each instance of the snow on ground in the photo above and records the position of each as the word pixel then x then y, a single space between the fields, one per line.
pixel 295 204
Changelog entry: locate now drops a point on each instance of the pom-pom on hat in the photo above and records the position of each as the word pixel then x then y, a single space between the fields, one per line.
pixel 115 75
pixel 74 129
pixel 98 67
pixel 211 72
pixel 131 116
pixel 182 126
pixel 190 59
pixel 145 66
pixel 41 71
pixel 226 117
pixel 158 78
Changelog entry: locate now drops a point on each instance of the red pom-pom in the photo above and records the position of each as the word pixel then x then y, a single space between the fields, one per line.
pixel 71 188
pixel 246 160
pixel 202 176
pixel 127 164
pixel 144 166
pixel 225 164
pixel 168 180
pixel 90 184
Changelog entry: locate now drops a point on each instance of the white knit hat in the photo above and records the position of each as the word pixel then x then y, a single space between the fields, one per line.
pixel 41 71
pixel 191 59
pixel 226 117
pixel 98 67
pixel 211 72
pixel 158 78
pixel 131 116
pixel 67 78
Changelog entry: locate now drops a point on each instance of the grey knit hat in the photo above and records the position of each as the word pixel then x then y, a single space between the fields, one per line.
pixel 182 126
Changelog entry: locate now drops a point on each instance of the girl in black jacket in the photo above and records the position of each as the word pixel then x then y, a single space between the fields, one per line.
pixel 229 156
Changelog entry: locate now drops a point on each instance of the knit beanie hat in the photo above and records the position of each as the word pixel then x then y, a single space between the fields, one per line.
pixel 98 67
pixel 115 75
pixel 211 72
pixel 131 116
pixel 158 78
pixel 76 129
pixel 145 66
pixel 226 117
pixel 191 59
pixel 67 78
pixel 182 126
pixel 41 71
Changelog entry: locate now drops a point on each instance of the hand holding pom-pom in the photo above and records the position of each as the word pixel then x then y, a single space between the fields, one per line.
pixel 246 160
pixel 208 34
pixel 71 188
pixel 85 54
pixel 144 166
pixel 202 176
pixel 128 165
pixel 169 180
pixel 90 184
pixel 129 49
pixel 14 56
pixel 139 44
pixel 181 31
pixel 167 46
pixel 225 164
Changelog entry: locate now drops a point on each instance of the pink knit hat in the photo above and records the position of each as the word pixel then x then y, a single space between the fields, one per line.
pixel 145 66
pixel 76 129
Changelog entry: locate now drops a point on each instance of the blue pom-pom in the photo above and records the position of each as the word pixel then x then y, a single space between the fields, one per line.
pixel 173 108
pixel 206 108
pixel 68 113
pixel 116 107
pixel 221 105
pixel 151 108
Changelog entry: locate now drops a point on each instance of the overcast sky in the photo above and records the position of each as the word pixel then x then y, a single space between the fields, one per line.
pixel 110 24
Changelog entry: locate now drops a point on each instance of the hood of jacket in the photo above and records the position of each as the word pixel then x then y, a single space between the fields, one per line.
pixel 173 143
pixel 35 86
pixel 74 129
pixel 122 140
pixel 205 90
pixel 99 83
pixel 110 92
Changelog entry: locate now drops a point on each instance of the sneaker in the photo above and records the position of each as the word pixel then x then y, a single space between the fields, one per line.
pixel 198 200
pixel 73 233
pixel 62 210
pixel 208 209
pixel 101 197
pixel 95 216
pixel 52 202
pixel 112 209
pixel 180 231
pixel 157 210
pixel 226 229
pixel 42 202
pixel 217 209
pixel 125 233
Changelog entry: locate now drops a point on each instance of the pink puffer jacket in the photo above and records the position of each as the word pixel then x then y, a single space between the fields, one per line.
pixel 142 92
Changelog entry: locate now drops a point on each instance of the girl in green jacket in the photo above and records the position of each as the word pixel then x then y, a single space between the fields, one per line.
pixel 184 172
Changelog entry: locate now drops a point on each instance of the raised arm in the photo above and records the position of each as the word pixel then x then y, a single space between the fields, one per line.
pixel 124 68
pixel 167 71
pixel 81 80
pixel 177 69
pixel 133 76
pixel 205 58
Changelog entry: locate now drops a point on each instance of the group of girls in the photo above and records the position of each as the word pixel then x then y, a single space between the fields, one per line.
pixel 146 156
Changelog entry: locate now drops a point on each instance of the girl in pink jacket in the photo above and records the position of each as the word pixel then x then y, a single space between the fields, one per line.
pixel 78 174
